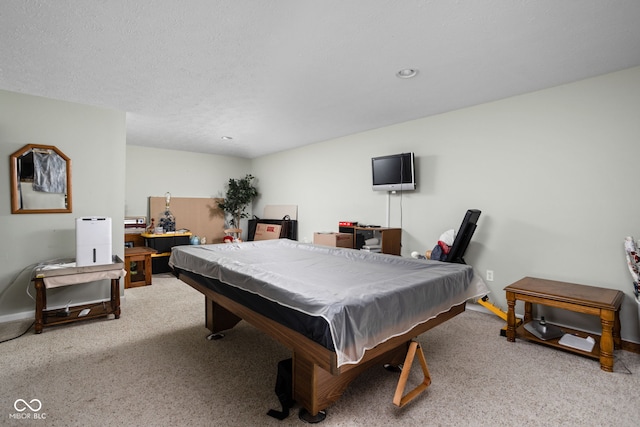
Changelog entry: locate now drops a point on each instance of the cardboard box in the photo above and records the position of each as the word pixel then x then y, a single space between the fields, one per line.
pixel 267 231
pixel 339 240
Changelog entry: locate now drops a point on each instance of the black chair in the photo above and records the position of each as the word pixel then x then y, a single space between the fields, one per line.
pixel 461 242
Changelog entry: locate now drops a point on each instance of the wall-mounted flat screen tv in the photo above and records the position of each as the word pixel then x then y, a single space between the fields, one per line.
pixel 394 173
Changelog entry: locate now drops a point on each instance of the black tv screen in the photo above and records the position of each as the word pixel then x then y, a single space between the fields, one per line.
pixel 394 172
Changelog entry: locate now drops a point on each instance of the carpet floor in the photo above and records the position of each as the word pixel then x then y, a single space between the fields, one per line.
pixel 154 367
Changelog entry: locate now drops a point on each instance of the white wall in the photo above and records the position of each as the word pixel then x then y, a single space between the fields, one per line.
pixel 554 172
pixel 94 139
pixel 153 172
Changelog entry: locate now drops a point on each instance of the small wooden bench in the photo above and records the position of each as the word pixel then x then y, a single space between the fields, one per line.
pixel 602 302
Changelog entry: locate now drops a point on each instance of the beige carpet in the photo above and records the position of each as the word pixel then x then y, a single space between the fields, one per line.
pixel 154 367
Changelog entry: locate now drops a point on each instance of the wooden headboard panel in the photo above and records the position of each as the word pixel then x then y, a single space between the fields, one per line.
pixel 201 216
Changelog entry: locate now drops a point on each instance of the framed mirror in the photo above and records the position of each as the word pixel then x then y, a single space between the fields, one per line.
pixel 40 180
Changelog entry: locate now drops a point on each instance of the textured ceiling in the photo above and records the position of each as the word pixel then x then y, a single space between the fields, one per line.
pixel 279 74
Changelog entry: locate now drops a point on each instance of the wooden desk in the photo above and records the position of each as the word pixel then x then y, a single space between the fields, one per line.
pixel 67 274
pixel 390 238
pixel 602 302
pixel 141 255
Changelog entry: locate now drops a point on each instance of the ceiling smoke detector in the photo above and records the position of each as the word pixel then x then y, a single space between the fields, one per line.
pixel 407 73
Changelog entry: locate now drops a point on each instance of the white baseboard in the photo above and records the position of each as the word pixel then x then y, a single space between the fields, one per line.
pixel 18 316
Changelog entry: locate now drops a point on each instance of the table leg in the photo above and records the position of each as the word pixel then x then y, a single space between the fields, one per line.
pixel 617 338
pixel 511 316
pixel 127 267
pixel 147 269
pixel 607 319
pixel 41 303
pixel 115 297
pixel 528 317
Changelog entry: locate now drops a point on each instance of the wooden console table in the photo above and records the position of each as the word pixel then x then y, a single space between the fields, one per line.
pixel 602 302
pixel 66 273
pixel 390 238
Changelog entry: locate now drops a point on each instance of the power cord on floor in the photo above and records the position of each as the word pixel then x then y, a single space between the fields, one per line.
pixel 617 360
pixel 25 275
pixel 18 336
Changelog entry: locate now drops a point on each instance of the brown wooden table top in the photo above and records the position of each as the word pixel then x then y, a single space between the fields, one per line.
pixel 139 250
pixel 591 296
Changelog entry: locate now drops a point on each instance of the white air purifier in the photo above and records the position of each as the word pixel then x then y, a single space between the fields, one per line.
pixel 93 241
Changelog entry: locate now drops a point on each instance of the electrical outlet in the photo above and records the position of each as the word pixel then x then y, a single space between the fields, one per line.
pixel 489 275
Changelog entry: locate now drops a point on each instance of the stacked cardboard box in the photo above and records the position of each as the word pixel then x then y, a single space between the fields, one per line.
pixel 339 240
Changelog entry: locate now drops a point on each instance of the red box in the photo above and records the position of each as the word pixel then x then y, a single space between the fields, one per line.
pixel 347 223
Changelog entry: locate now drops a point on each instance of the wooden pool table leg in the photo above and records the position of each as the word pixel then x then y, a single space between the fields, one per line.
pixel 218 318
pixel 316 389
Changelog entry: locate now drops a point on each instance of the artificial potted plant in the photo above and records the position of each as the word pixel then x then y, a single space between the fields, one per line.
pixel 240 192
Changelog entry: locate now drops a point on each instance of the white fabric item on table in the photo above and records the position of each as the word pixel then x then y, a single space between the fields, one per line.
pixel 74 279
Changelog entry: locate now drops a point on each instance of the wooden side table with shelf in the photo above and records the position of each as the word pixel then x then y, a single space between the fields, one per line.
pixel 602 302
pixel 65 273
pixel 141 275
